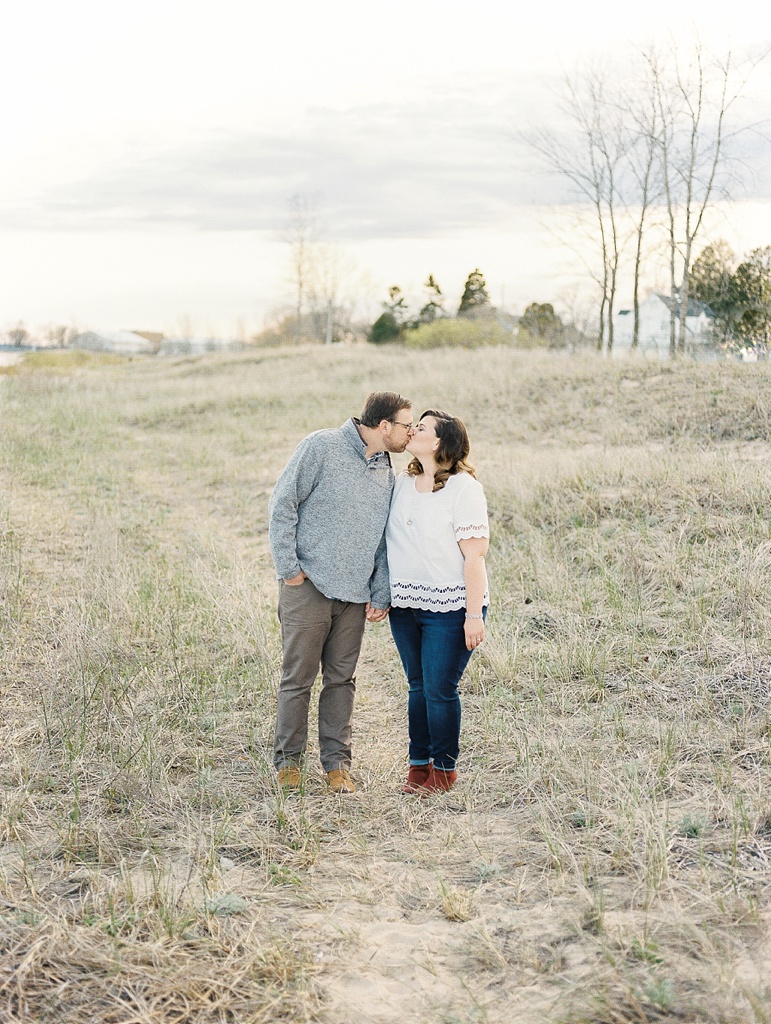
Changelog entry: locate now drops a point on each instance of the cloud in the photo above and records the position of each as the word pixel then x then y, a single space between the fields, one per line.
pixel 449 161
pixel 383 171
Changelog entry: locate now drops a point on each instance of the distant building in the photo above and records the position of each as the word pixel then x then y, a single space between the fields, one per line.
pixel 196 346
pixel 126 343
pixel 156 337
pixel 654 327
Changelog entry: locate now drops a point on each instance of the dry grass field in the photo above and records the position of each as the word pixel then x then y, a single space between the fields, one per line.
pixel 606 856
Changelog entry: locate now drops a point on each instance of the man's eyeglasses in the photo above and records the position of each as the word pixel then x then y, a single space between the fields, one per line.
pixel 407 426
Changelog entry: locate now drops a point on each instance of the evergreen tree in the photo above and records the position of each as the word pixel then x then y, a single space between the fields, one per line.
pixel 740 298
pixel 752 298
pixel 385 329
pixel 475 299
pixel 433 309
pixel 390 325
pixel 711 278
pixel 752 280
pixel 397 304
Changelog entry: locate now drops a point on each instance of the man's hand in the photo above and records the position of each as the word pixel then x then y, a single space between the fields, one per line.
pixel 376 614
pixel 296 580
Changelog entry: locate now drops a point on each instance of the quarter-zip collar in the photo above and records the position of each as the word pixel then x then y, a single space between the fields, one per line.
pixel 350 431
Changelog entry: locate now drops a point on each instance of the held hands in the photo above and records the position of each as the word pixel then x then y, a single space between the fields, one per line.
pixel 376 614
pixel 296 580
pixel 373 614
pixel 475 633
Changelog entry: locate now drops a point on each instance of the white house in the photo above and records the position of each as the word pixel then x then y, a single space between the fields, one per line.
pixel 197 346
pixel 127 343
pixel 148 343
pixel 654 327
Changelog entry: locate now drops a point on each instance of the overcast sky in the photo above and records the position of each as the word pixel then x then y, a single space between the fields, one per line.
pixel 149 155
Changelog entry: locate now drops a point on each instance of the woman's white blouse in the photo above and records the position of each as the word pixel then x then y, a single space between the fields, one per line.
pixel 424 561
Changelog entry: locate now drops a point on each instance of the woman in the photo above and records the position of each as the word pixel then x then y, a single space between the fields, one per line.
pixel 437 539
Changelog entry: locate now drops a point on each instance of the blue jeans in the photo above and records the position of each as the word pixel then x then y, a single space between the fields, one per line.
pixel 432 647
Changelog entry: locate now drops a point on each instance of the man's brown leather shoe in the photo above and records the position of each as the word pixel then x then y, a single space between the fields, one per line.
pixel 290 777
pixel 340 781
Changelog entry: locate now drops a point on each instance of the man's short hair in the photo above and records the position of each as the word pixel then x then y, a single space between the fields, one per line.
pixel 383 405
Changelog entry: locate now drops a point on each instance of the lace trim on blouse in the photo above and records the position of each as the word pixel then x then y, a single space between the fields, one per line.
pixel 430 598
pixel 472 530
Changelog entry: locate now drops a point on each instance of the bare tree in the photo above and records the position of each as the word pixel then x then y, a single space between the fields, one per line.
pixel 591 161
pixel 643 189
pixel 18 335
pixel 324 276
pixel 329 273
pixel 646 155
pixel 693 99
pixel 301 234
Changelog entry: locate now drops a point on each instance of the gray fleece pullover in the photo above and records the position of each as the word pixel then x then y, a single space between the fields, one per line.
pixel 328 513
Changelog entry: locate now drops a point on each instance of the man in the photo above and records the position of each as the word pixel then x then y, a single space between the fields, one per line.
pixel 328 514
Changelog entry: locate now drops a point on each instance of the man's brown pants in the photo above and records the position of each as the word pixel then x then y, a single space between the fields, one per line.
pixel 317 630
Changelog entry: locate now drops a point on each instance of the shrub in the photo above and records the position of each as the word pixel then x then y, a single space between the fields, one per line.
pixel 539 326
pixel 526 339
pixel 447 333
pixel 385 329
pixel 64 361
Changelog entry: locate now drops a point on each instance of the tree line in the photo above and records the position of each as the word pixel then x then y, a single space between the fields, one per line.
pixel 327 289
pixel 646 153
pixel 396 319
pixel 647 150
pixel 476 321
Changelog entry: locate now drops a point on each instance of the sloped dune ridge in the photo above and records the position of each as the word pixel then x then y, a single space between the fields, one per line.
pixel 606 854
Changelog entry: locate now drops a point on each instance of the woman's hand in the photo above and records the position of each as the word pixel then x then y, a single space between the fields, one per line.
pixel 475 633
pixel 474 550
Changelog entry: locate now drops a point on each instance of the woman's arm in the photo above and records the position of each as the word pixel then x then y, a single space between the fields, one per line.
pixel 474 550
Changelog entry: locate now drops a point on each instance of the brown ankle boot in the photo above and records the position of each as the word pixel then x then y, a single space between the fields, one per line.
pixel 417 777
pixel 438 781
